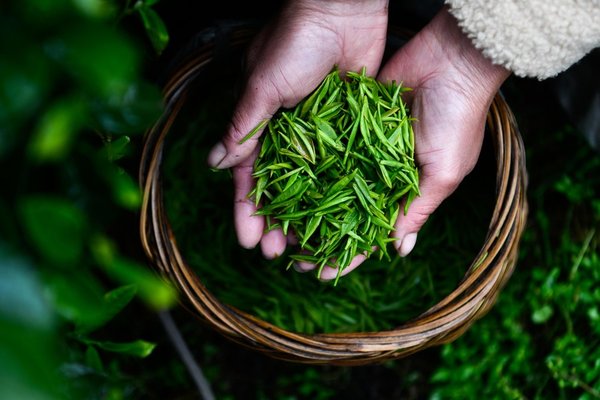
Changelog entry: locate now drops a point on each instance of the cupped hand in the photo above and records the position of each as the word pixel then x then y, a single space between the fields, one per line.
pixel 453 86
pixel 286 62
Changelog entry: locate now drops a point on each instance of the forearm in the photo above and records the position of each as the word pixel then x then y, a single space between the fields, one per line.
pixel 441 49
pixel 477 70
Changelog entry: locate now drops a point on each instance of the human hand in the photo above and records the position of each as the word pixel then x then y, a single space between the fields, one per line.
pixel 286 62
pixel 453 86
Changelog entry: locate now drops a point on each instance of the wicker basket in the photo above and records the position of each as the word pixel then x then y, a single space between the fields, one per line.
pixel 442 323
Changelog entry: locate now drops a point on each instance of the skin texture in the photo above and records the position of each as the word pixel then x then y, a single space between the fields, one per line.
pixel 453 85
pixel 286 62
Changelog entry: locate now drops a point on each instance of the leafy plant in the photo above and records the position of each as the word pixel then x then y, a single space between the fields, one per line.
pixel 77 305
pixel 154 26
pixel 73 98
pixel 541 339
pixel 334 168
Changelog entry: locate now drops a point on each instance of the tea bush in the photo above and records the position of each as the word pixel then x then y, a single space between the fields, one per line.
pixel 541 339
pixel 74 98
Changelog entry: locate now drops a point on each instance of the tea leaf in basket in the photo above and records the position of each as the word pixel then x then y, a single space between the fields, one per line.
pixel 334 168
pixel 389 294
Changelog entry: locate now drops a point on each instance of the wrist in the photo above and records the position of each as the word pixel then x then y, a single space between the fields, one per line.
pixel 342 7
pixel 480 72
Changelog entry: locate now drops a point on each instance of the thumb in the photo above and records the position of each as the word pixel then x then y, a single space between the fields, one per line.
pixel 253 111
pixel 434 188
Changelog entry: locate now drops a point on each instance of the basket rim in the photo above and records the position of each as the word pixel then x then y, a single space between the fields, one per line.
pixel 442 323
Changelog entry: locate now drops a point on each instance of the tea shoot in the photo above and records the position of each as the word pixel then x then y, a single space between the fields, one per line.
pixel 334 169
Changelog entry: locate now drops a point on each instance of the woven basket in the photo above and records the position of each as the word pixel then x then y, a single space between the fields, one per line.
pixel 442 323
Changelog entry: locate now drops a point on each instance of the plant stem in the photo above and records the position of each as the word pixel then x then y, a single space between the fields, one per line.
pixel 186 356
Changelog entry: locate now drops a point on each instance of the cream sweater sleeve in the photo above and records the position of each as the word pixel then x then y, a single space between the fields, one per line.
pixel 533 38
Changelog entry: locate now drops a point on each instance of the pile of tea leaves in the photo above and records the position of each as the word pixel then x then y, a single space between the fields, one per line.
pixel 379 295
pixel 334 168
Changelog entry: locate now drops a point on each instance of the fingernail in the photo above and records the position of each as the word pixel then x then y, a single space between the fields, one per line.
pixel 217 155
pixel 303 266
pixel 299 268
pixel 328 274
pixel 270 256
pixel 408 244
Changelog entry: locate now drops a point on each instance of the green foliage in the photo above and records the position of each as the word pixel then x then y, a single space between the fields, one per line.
pixel 56 131
pixel 76 303
pixel 71 88
pixel 138 348
pixel 155 28
pixel 55 227
pixel 542 338
pixel 334 168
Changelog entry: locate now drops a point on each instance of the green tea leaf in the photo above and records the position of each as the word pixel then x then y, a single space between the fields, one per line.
pixel 93 360
pixel 155 291
pixel 112 303
pixel 136 348
pixel 102 60
pixel 55 227
pixel 56 131
pixel 77 299
pixel 126 191
pixel 326 133
pixel 155 28
pixel 254 131
pixel 311 227
pixel 337 165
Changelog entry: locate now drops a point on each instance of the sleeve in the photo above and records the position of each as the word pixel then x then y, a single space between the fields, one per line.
pixel 532 38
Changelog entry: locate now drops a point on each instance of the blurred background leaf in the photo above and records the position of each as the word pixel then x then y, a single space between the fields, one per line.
pixel 155 27
pixel 55 227
pixel 138 348
pixel 28 353
pixel 73 93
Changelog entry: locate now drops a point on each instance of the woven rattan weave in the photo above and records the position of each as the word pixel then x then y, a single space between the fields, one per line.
pixel 442 323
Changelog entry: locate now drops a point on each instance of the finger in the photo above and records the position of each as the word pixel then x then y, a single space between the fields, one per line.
pixel 434 190
pixel 292 239
pixel 273 244
pixel 329 272
pixel 254 108
pixel 249 227
pixel 303 266
pixel 399 69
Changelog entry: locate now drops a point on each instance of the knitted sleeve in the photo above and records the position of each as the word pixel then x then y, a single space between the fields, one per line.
pixel 533 38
